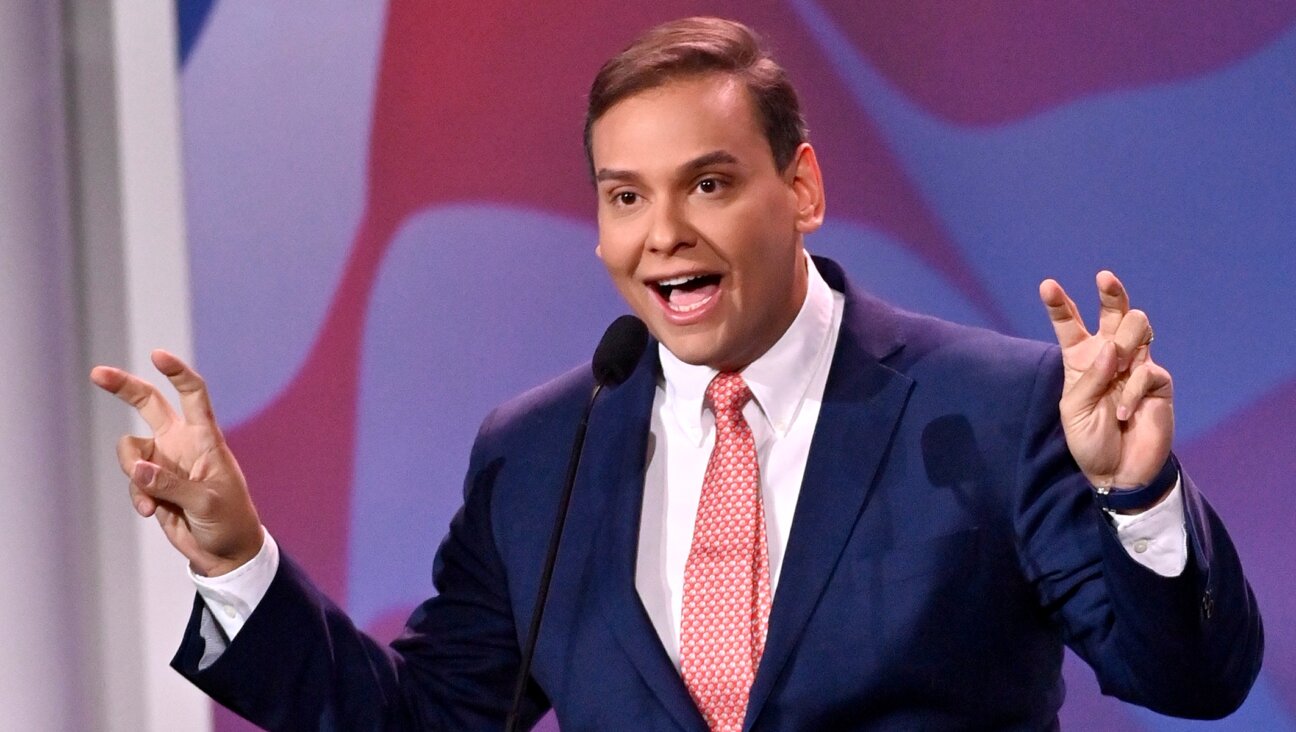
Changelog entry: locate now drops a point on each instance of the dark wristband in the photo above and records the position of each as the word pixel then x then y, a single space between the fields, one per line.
pixel 1140 497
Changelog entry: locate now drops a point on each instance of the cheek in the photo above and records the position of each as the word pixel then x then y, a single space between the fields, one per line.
pixel 620 262
pixel 752 228
pixel 766 265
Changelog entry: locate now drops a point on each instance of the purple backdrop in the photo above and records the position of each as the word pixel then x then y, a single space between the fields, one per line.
pixel 391 231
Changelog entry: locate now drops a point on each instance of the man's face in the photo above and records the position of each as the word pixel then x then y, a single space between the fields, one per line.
pixel 699 230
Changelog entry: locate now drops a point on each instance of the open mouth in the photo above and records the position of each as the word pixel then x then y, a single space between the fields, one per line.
pixel 687 293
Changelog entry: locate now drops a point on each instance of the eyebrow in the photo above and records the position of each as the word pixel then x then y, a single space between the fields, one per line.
pixel 715 157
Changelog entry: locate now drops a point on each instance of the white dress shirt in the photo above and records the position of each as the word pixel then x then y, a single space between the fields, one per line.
pixel 787 385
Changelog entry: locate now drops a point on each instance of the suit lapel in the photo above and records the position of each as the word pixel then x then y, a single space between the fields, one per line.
pixel 613 465
pixel 863 402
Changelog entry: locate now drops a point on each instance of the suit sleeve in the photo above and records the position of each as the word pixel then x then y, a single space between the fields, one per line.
pixel 299 663
pixel 1188 645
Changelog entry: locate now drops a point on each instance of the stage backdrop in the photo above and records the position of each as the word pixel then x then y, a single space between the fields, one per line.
pixel 392 231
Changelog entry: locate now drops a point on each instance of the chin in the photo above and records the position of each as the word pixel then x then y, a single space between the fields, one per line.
pixel 690 351
pixel 706 355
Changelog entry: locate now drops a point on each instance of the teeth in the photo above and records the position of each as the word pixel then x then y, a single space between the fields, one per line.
pixel 687 308
pixel 677 281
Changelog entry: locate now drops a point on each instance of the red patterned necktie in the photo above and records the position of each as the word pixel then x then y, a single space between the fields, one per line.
pixel 726 579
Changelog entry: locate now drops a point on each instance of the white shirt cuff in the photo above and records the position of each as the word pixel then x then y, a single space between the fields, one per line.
pixel 233 596
pixel 1157 537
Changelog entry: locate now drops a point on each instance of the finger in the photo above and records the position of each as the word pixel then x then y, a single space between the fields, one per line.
pixel 1133 333
pixel 194 401
pixel 1147 380
pixel 164 486
pixel 1113 303
pixel 145 505
pixel 169 517
pixel 1067 323
pixel 1095 382
pixel 130 450
pixel 138 393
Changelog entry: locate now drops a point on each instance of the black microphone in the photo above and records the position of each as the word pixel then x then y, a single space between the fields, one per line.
pixel 622 345
pixel 619 350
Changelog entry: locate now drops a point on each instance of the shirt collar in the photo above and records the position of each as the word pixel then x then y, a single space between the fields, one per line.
pixel 778 379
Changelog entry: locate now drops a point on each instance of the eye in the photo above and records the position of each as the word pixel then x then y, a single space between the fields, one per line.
pixel 625 198
pixel 709 185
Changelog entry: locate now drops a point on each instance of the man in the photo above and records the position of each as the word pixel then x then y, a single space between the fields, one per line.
pixel 803 510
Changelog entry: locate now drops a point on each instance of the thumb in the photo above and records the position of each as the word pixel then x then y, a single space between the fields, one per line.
pixel 161 484
pixel 1095 382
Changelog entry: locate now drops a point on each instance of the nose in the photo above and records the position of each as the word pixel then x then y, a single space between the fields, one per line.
pixel 670 229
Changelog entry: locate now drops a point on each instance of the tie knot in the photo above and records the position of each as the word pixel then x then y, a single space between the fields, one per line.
pixel 728 394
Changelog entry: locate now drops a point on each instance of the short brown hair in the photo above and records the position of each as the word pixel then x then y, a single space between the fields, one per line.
pixel 697 46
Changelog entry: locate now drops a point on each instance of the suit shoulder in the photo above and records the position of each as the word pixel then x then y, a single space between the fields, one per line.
pixel 556 402
pixel 978 353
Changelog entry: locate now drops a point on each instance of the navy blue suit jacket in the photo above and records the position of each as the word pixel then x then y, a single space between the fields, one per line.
pixel 944 548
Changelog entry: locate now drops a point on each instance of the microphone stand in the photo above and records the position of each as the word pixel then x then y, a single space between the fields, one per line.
pixel 551 558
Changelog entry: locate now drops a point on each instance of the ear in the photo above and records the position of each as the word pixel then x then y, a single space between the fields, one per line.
pixel 806 182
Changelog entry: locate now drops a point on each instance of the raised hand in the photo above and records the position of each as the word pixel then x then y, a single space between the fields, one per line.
pixel 185 474
pixel 1117 404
